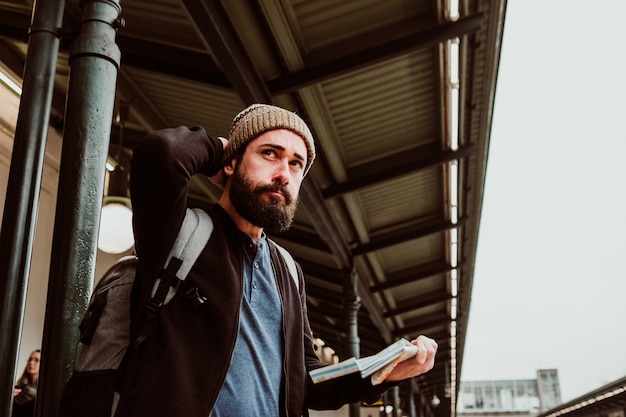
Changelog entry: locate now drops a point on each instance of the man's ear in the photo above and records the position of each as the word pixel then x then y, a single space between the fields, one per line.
pixel 229 167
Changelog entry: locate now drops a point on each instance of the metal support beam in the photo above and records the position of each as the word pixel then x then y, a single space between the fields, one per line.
pixel 318 73
pixel 94 63
pixel 411 275
pixel 20 209
pixel 410 234
pixel 219 35
pixel 427 300
pixel 424 326
pixel 375 176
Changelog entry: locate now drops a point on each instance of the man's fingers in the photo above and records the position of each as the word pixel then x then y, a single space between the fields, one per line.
pixel 426 349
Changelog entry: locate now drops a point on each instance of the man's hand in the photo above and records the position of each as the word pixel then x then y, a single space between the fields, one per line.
pixel 422 362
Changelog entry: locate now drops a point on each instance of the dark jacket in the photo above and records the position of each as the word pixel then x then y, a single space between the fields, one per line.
pixel 180 368
pixel 24 402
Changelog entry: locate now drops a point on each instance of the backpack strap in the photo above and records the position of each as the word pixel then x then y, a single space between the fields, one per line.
pixel 191 240
pixel 291 264
pixel 193 236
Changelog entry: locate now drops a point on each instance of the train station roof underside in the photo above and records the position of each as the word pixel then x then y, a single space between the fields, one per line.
pixel 399 95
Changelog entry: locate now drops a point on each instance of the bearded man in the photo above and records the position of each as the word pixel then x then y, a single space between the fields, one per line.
pixel 248 349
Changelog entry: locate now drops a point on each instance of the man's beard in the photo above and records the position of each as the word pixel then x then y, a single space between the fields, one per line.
pixel 248 201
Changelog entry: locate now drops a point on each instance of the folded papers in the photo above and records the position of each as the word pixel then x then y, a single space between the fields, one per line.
pixel 377 366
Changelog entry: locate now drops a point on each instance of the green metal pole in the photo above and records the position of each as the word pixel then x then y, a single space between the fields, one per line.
pixel 412 409
pixel 395 393
pixel 94 63
pixel 20 209
pixel 351 305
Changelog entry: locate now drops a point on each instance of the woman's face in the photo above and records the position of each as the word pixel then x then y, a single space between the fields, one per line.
pixel 32 367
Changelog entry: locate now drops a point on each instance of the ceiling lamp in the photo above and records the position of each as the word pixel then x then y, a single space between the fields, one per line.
pixel 116 226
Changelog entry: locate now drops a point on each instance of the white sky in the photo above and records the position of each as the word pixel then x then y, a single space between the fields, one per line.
pixel 549 283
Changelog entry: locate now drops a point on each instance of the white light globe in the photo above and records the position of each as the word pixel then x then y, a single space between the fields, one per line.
pixel 116 228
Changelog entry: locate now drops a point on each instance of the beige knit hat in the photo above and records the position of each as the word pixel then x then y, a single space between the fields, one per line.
pixel 260 118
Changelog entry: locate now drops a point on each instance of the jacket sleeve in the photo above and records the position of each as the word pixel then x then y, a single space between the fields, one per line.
pixel 163 162
pixel 28 393
pixel 334 393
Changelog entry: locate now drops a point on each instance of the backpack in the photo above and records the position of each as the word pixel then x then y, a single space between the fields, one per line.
pixel 105 331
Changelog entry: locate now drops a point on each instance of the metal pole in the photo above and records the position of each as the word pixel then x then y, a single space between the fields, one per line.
pixel 385 401
pixel 395 393
pixel 20 209
pixel 412 409
pixel 94 61
pixel 351 304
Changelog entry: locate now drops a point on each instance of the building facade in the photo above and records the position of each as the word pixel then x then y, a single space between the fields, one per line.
pixel 521 397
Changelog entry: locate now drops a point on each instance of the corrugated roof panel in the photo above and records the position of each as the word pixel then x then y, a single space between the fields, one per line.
pixel 433 310
pixel 385 108
pixel 404 255
pixel 323 22
pixel 428 324
pixel 183 102
pixel 414 293
pixel 406 198
pixel 162 20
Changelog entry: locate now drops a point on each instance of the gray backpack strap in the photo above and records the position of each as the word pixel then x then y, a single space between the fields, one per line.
pixel 191 240
pixel 291 264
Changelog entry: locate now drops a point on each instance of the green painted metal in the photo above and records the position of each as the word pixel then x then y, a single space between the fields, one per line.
pixel 20 209
pixel 351 306
pixel 94 64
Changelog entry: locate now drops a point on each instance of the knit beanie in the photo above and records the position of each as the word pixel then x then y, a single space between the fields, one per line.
pixel 260 118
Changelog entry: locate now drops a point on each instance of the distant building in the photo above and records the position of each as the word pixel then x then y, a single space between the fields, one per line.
pixel 606 401
pixel 511 398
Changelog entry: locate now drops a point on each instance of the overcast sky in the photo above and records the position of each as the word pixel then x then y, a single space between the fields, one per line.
pixel 549 283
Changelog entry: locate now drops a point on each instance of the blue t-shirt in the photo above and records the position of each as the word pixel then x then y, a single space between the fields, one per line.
pixel 253 381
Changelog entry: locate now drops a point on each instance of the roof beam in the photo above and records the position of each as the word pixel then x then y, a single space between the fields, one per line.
pixel 170 60
pixel 220 37
pixel 413 274
pixel 406 235
pixel 425 301
pixel 14 24
pixel 317 73
pixel 137 53
pixel 421 327
pixel 300 236
pixel 372 173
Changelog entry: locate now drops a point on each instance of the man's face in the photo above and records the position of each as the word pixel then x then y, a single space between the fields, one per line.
pixel 266 180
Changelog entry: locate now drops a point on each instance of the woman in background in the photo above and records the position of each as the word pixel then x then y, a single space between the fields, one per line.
pixel 26 388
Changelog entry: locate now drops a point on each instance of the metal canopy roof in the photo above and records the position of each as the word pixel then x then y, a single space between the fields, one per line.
pixel 392 197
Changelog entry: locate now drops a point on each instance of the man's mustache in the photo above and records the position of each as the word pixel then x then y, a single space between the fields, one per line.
pixel 276 187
